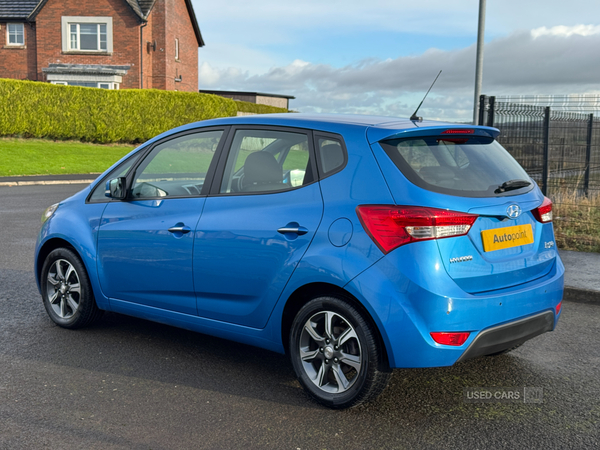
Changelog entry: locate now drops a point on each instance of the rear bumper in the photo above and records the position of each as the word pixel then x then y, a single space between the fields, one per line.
pixel 410 295
pixel 509 335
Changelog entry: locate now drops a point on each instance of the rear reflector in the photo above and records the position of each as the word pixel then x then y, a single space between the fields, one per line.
pixel 558 307
pixel 543 213
pixel 455 339
pixel 391 226
pixel 459 131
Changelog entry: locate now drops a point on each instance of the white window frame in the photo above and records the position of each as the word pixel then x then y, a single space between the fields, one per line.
pixel 113 82
pixel 75 29
pixel 67 21
pixel 176 49
pixel 13 44
pixel 98 85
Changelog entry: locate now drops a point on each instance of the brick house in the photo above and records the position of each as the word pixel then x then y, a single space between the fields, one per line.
pixel 108 44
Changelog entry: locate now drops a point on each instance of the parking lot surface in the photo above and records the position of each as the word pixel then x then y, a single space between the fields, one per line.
pixel 130 384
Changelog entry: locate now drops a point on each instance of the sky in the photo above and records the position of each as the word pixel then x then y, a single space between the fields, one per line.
pixel 380 56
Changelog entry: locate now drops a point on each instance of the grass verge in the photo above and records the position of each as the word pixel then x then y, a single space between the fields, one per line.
pixel 577 221
pixel 46 157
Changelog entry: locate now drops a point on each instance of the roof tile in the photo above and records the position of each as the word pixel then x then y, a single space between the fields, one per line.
pixel 141 7
pixel 12 9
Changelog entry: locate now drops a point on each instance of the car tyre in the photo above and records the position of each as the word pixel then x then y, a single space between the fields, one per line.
pixel 66 290
pixel 336 354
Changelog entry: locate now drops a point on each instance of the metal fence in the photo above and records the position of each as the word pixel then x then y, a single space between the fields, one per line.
pixel 559 148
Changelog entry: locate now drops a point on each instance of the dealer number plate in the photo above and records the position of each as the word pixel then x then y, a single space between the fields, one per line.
pixel 506 237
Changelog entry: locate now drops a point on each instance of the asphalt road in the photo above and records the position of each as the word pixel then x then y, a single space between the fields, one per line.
pixel 130 384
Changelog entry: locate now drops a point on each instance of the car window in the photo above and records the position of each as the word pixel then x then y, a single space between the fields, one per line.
pixel 265 161
pixel 331 155
pixel 120 171
pixel 417 153
pixel 176 168
pixel 467 167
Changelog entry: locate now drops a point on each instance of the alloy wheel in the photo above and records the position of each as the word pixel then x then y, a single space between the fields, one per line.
pixel 330 351
pixel 63 289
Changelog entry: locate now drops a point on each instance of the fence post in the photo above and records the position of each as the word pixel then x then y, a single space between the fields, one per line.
pixel 482 99
pixel 546 150
pixel 588 155
pixel 491 111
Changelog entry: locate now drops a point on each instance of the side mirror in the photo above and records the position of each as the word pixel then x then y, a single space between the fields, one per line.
pixel 115 188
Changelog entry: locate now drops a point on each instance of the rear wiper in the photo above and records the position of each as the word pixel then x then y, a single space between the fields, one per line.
pixel 511 185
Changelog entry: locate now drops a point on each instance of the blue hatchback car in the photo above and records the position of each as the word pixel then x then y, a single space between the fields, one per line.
pixel 354 244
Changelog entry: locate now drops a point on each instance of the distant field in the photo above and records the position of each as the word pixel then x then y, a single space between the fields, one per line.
pixel 45 157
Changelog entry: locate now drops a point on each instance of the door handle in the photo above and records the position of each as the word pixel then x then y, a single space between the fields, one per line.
pixel 180 229
pixel 293 228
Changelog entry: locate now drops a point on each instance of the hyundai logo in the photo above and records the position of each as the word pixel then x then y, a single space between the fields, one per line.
pixel 513 211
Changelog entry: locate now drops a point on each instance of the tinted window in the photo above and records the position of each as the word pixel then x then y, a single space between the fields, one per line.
pixel 265 160
pixel 331 155
pixel 176 168
pixel 467 167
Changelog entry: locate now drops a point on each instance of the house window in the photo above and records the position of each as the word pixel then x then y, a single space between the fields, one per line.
pixel 16 34
pixel 87 34
pixel 177 49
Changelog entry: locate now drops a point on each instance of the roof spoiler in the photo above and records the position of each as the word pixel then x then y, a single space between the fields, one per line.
pixel 381 134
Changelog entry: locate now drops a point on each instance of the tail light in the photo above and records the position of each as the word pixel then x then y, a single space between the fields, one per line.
pixel 391 226
pixel 543 213
pixel 558 307
pixel 456 339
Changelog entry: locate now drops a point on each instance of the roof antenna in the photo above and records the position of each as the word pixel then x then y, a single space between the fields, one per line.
pixel 416 118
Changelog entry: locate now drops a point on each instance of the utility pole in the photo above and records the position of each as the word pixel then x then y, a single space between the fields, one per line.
pixel 479 61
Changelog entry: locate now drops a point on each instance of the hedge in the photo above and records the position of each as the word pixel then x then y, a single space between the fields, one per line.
pixel 34 109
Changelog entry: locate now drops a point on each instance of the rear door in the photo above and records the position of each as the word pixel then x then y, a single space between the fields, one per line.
pixel 500 251
pixel 470 172
pixel 256 225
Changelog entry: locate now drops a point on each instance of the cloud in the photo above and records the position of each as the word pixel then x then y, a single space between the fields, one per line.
pixel 560 60
pixel 564 31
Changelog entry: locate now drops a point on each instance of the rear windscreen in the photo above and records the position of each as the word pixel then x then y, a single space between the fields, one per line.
pixel 461 166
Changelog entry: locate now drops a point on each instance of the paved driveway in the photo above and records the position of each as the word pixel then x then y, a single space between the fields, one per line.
pixel 130 384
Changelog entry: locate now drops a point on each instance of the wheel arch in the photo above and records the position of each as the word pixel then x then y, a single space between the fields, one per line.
pixel 87 311
pixel 60 242
pixel 305 293
pixel 49 246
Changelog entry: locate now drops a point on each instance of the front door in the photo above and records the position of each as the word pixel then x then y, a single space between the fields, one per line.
pixel 145 243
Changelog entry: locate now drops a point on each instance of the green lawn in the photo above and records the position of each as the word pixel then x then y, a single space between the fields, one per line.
pixel 43 157
pixel 48 157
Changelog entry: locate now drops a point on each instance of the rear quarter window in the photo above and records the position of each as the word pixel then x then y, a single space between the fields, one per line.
pixel 332 155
